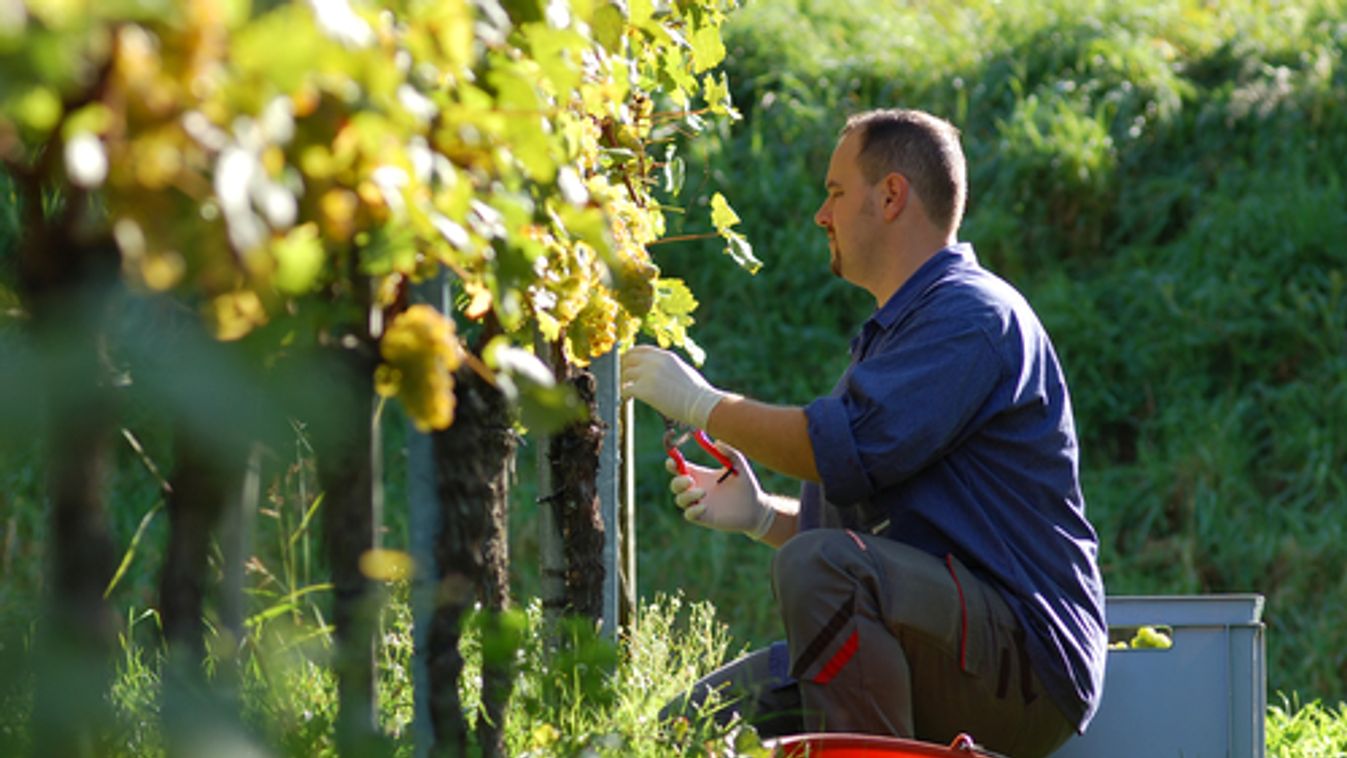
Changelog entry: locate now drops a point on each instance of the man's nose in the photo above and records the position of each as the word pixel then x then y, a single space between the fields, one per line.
pixel 822 216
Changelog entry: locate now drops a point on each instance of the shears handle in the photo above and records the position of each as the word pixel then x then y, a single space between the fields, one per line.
pixel 681 461
pixel 710 447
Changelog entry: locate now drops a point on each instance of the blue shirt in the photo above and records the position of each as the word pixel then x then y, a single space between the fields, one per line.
pixel 952 431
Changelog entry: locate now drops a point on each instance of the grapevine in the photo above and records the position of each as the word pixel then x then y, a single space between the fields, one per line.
pixel 265 164
pixel 290 171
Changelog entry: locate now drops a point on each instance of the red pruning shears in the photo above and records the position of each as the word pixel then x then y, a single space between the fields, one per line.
pixel 674 437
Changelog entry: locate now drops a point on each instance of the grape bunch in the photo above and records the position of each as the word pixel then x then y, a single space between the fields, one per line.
pixel 1145 638
pixel 420 354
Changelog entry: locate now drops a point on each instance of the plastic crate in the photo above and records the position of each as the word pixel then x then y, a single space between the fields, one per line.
pixel 1203 697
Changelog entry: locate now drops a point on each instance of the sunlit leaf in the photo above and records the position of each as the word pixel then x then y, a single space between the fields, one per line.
pixel 675 171
pixel 675 299
pixel 722 215
pixel 280 48
pixel 717 95
pixel 671 316
pixel 557 52
pixel 738 248
pixel 707 48
pixel 608 26
pixel 640 13
pixel 234 13
pixel 451 23
pixel 677 78
pixel 530 140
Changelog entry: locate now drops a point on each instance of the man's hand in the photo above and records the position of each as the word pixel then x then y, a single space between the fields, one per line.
pixel 670 386
pixel 736 504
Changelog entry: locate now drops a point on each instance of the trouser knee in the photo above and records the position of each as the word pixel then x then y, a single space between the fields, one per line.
pixel 813 565
pixel 812 559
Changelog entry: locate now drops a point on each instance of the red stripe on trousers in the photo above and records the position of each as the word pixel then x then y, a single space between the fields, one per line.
pixel 840 659
pixel 856 539
pixel 963 615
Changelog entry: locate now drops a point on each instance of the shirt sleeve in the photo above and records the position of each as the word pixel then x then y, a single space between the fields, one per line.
pixel 902 406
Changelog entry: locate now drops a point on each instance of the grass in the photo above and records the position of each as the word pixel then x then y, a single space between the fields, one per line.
pixel 576 694
pixel 1296 730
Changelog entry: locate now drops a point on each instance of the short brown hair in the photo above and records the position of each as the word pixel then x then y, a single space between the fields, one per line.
pixel 921 147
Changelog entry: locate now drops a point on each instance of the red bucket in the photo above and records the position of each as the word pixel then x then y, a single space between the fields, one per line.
pixel 869 746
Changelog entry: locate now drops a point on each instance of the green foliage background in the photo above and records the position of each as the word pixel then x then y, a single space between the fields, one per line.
pixel 1166 183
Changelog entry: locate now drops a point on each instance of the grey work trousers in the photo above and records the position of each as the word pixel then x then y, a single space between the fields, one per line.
pixel 883 638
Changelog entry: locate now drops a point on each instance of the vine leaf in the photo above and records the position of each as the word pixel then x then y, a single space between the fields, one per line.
pixel 708 50
pixel 717 95
pixel 722 215
pixel 671 317
pixel 675 171
pixel 737 245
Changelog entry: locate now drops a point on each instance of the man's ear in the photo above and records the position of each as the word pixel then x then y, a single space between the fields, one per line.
pixel 896 189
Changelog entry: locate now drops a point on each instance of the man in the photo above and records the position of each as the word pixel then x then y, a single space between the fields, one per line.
pixel 937 574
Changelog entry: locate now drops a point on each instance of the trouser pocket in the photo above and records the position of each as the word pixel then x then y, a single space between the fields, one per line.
pixel 992 645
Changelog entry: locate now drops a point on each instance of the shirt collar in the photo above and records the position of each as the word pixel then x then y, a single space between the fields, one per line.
pixel 902 301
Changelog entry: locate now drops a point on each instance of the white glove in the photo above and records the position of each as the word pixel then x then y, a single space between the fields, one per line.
pixel 670 386
pixel 736 504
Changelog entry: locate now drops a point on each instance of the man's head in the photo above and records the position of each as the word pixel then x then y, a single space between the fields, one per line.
pixel 921 147
pixel 895 196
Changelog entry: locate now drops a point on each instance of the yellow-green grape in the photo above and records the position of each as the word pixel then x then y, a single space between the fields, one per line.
pixel 633 225
pixel 571 295
pixel 594 331
pixel 627 327
pixel 629 136
pixel 1151 638
pixel 634 280
pixel 420 354
pixel 567 276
